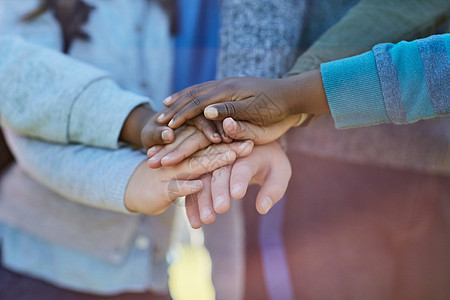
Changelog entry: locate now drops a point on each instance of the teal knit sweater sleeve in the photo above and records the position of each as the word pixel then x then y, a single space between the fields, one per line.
pixel 399 84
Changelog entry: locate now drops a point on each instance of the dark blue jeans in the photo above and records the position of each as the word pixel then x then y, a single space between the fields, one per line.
pixel 15 286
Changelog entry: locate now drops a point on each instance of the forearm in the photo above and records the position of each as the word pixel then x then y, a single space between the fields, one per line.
pixel 307 93
pixel 91 176
pixel 134 124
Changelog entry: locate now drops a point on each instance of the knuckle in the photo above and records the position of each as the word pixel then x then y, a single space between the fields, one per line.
pixel 230 81
pixel 191 94
pixel 191 109
pixel 216 174
pixel 194 163
pixel 226 85
pixel 197 137
pixel 206 122
pixel 229 87
pixel 199 122
pixel 196 102
pixel 203 127
pixel 230 110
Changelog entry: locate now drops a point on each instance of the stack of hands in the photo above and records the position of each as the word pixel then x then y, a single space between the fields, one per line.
pixel 212 153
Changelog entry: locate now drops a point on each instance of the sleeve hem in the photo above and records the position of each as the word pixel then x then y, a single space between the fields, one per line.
pixel 118 189
pixel 353 91
pixel 98 114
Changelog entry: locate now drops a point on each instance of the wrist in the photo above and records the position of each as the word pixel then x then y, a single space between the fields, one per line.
pixel 307 94
pixel 134 124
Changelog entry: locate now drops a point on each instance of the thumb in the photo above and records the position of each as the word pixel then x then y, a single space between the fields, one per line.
pixel 240 130
pixel 156 135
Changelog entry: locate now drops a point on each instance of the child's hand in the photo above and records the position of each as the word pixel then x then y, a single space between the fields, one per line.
pixel 267 166
pixel 155 134
pixel 152 191
pixel 142 130
pixel 258 100
pixel 188 141
pixel 213 130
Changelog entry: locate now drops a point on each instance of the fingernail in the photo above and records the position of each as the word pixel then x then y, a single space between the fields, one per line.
pixel 165 135
pixel 152 160
pixel 266 204
pixel 151 151
pixel 171 123
pixel 211 112
pixel 166 159
pixel 206 212
pixel 216 135
pixel 161 117
pixel 218 202
pixel 235 125
pixel 244 145
pixel 237 190
pixel 167 100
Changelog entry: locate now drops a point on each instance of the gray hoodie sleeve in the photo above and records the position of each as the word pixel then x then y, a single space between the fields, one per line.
pixel 48 95
pixel 87 175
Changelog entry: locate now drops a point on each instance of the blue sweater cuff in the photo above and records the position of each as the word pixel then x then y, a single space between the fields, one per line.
pixel 354 92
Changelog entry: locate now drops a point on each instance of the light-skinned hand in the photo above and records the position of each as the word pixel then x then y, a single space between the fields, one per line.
pixel 151 191
pixel 188 141
pixel 267 166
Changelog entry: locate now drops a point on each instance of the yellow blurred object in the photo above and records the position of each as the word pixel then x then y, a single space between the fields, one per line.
pixel 190 275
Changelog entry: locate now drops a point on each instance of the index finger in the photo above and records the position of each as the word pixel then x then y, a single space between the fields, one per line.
pixel 197 166
pixel 178 100
pixel 174 97
pixel 190 106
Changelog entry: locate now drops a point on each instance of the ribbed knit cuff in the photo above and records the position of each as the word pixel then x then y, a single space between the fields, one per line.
pixel 354 92
pixel 117 177
pixel 98 115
